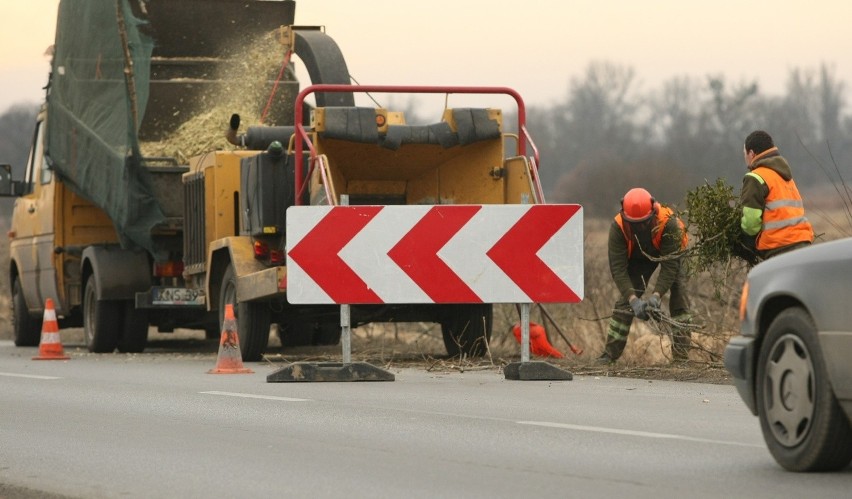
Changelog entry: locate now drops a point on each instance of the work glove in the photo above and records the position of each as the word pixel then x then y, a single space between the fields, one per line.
pixel 652 309
pixel 750 242
pixel 638 305
pixel 746 249
pixel 654 302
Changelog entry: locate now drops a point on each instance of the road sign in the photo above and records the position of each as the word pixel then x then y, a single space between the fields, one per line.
pixel 435 254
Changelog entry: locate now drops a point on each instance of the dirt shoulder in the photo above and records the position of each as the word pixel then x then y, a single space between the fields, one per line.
pixel 391 353
pixel 389 358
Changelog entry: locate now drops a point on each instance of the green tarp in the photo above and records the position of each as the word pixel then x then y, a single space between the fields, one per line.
pixel 96 101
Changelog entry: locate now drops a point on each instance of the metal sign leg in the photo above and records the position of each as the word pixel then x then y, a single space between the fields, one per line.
pixel 536 370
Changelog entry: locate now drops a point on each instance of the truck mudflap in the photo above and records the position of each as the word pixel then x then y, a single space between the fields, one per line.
pixel 119 272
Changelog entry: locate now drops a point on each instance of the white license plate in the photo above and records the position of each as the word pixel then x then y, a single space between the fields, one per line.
pixel 178 296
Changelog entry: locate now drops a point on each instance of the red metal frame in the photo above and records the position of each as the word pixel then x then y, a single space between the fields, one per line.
pixel 302 135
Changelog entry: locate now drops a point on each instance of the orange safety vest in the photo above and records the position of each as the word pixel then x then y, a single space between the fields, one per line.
pixel 784 220
pixel 663 215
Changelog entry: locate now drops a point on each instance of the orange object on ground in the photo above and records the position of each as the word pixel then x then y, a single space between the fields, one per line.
pixel 538 341
pixel 50 345
pixel 230 359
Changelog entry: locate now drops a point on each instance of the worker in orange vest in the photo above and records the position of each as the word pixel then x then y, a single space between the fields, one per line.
pixel 644 236
pixel 773 220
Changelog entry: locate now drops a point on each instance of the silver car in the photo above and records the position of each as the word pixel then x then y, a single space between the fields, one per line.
pixel 792 363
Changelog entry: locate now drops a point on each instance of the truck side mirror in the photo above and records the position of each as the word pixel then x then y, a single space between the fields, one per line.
pixel 9 187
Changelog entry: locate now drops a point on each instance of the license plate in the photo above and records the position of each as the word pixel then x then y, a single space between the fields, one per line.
pixel 178 296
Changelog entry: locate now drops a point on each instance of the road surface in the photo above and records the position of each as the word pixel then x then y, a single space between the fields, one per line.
pixel 155 425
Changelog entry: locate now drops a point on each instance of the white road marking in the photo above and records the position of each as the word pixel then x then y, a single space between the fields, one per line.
pixel 251 396
pixel 634 433
pixel 32 376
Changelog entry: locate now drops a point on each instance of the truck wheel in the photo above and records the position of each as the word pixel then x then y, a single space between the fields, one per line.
pixel 328 333
pixel 212 332
pixel 102 320
pixel 467 329
pixel 296 334
pixel 27 328
pixel 253 319
pixel 134 335
pixel 803 425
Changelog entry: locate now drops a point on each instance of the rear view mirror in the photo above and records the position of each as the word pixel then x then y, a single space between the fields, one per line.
pixel 9 187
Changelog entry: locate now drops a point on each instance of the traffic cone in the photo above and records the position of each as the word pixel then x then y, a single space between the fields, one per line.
pixel 50 346
pixel 230 359
pixel 538 341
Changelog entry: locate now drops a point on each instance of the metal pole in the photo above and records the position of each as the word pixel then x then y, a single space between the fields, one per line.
pixel 346 334
pixel 345 319
pixel 525 332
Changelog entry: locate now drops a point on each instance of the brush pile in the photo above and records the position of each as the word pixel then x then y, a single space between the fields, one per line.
pixel 713 220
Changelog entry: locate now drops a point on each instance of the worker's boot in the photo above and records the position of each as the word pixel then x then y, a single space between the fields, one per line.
pixel 616 340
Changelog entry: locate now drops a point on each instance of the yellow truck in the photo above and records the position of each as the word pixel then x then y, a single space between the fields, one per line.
pixel 123 240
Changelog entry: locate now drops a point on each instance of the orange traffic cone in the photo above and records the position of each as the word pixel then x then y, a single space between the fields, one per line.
pixel 50 346
pixel 538 341
pixel 230 359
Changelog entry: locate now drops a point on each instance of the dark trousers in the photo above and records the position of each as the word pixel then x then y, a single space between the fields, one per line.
pixel 640 272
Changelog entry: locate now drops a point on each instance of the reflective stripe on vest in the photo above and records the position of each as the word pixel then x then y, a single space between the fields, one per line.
pixel 784 220
pixel 663 215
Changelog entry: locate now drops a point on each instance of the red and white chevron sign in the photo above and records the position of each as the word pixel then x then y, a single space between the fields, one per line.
pixel 435 254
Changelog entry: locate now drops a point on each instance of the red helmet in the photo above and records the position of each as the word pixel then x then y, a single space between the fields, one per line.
pixel 637 205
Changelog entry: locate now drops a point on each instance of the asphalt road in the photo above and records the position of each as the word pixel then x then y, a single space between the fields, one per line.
pixel 155 425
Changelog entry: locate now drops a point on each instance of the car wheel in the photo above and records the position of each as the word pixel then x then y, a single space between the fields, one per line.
pixel 102 319
pixel 27 328
pixel 803 425
pixel 253 319
pixel 467 329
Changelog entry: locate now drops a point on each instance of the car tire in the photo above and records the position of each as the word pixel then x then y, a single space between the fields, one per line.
pixel 27 329
pixel 467 329
pixel 253 319
pixel 802 422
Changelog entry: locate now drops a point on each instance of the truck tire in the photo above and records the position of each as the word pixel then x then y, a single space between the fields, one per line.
pixel 27 328
pixel 328 333
pixel 213 332
pixel 467 329
pixel 103 320
pixel 253 319
pixel 134 334
pixel 802 422
pixel 296 334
